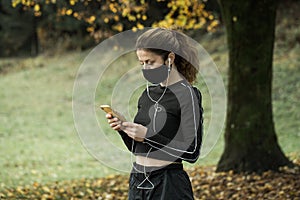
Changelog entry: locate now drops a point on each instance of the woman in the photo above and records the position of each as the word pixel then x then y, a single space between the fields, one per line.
pixel 167 128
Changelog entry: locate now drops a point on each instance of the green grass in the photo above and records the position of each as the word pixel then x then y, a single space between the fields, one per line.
pixel 38 140
pixel 286 96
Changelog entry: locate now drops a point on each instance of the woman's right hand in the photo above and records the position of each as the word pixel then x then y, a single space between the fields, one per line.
pixel 114 122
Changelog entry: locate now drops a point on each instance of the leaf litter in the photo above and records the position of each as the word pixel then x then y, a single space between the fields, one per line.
pixel 207 184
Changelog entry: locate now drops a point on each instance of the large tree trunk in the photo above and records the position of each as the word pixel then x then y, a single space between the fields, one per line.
pixel 250 139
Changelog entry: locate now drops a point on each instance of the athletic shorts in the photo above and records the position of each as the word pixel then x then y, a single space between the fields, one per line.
pixel 168 183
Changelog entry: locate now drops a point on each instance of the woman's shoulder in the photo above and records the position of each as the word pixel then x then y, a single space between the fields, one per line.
pixel 185 90
pixel 182 86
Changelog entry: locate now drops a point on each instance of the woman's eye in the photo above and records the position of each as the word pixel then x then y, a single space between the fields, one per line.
pixel 148 62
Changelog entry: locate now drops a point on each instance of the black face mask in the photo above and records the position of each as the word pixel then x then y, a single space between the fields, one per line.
pixel 156 75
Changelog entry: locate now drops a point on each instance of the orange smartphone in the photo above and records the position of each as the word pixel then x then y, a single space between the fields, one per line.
pixel 114 113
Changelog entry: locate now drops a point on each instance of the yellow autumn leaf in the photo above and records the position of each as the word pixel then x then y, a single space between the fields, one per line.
pixel 26 3
pixel 116 18
pixel 90 29
pixel 46 189
pixel 191 24
pixel 106 20
pixel 131 18
pixel 35 184
pixel 125 12
pixel 72 2
pixel 205 14
pixel 20 190
pixel 118 27
pixel 197 26
pixel 140 26
pixel 214 23
pixel 63 11
pixel 181 20
pixel 36 7
pixel 69 12
pixel 112 8
pixel 46 197
pixel 37 14
pixel 14 3
pixel 134 29
pixel 91 19
pixel 75 14
pixel 144 17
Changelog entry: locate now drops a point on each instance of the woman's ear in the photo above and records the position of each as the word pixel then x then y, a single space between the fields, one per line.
pixel 171 58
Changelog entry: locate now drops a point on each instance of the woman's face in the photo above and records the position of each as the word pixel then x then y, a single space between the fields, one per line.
pixel 149 59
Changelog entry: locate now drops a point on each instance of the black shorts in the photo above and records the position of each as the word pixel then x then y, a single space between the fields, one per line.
pixel 168 183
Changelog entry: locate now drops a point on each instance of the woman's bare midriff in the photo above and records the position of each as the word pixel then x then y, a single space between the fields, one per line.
pixel 141 160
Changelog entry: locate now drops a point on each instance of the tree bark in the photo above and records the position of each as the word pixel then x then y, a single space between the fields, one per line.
pixel 250 139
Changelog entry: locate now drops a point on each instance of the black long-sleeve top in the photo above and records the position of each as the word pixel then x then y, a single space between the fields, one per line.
pixel 174 127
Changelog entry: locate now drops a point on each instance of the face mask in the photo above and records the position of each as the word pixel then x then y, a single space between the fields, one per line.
pixel 156 75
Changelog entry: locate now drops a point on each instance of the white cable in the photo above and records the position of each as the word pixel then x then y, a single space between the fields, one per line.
pixel 146 177
pixel 195 129
pixel 144 172
pixel 156 107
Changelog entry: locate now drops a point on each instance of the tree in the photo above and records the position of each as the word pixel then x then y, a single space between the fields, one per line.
pixel 102 19
pixel 250 140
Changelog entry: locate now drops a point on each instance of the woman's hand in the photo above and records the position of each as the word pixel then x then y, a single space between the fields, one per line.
pixel 114 122
pixel 135 131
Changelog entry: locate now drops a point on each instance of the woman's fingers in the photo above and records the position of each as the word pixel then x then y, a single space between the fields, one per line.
pixel 114 122
pixel 117 127
pixel 133 130
pixel 108 116
pixel 130 125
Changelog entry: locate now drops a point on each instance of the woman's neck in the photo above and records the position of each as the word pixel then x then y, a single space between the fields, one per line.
pixel 174 77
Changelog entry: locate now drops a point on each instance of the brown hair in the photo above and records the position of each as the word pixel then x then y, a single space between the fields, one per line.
pixel 162 41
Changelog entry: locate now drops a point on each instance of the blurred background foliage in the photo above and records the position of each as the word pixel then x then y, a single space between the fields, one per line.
pixel 29 27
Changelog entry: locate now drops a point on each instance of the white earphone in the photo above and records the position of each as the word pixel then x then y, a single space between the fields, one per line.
pixel 169 66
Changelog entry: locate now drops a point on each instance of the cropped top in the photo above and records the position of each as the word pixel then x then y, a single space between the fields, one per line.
pixel 174 123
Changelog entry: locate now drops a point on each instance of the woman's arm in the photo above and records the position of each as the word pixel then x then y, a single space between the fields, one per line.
pixel 116 124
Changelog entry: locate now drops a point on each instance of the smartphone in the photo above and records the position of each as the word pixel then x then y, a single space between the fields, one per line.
pixel 108 109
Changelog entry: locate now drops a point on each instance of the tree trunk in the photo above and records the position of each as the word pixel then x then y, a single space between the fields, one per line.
pixel 250 140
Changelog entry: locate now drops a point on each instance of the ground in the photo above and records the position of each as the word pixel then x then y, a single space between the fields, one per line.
pixel 207 184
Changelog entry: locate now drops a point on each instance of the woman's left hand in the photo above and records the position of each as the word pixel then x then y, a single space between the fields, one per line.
pixel 135 131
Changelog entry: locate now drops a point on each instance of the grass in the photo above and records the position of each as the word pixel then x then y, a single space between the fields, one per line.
pixel 38 140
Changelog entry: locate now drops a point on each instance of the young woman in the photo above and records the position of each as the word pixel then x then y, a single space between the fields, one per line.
pixel 167 128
